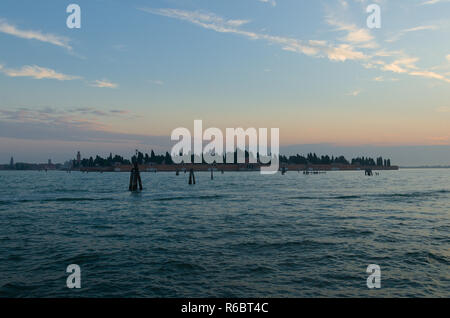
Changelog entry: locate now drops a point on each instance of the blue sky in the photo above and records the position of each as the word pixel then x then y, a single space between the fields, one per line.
pixel 136 70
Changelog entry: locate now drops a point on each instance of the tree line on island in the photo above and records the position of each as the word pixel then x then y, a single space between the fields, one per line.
pixel 310 159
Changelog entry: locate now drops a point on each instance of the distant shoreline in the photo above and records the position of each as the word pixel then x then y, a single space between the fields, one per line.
pixel 424 167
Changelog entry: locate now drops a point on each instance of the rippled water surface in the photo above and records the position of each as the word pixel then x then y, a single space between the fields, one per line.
pixel 241 234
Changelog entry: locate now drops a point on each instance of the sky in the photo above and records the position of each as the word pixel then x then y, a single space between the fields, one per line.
pixel 136 70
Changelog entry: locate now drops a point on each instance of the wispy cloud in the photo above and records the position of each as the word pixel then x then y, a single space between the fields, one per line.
pixel 358 36
pixel 354 93
pixel 213 22
pixel 430 74
pixel 81 116
pixel 429 2
pixel 383 79
pixel 407 65
pixel 273 3
pixel 401 65
pixel 119 112
pixel 81 124
pixel 97 112
pixel 401 33
pixel 104 84
pixel 205 19
pixel 355 44
pixel 57 40
pixel 381 58
pixel 37 72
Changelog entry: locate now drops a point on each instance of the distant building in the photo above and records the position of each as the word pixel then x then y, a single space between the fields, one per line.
pixel 49 162
pixel 78 158
pixel 11 163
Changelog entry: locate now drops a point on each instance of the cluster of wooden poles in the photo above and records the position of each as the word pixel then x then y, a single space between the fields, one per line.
pixel 136 182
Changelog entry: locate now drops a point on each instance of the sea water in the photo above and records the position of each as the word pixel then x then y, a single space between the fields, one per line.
pixel 240 235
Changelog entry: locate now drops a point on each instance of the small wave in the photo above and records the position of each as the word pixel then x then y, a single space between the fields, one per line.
pixel 283 245
pixel 202 197
pixel 83 258
pixel 15 287
pixel 182 266
pixel 306 198
pixel 78 199
pixel 443 227
pixel 400 195
pixel 425 257
pixel 9 202
pixel 344 197
pixel 260 269
pixel 353 233
pixel 415 194
pixel 439 258
pixel 339 197
pixel 101 226
pixel 15 258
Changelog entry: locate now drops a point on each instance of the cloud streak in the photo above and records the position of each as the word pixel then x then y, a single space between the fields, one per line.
pixel 51 128
pixel 401 33
pixel 360 37
pixel 57 40
pixel 356 43
pixel 213 22
pixel 430 2
pixel 104 84
pixel 50 115
pixel 37 72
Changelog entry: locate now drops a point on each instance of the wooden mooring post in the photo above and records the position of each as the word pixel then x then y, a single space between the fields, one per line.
pixel 191 176
pixel 135 178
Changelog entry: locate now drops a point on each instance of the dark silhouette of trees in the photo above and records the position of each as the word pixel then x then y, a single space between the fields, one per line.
pixel 363 161
pixel 309 159
pixel 168 159
pixel 380 161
